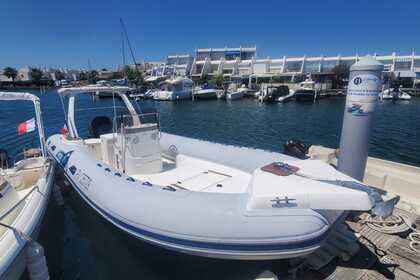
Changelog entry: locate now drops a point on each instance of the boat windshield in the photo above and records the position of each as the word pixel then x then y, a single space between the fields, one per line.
pixel 89 110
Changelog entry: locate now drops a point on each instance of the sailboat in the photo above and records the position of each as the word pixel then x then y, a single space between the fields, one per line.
pixel 203 198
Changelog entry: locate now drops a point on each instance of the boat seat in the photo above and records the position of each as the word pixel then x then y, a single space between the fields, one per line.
pixel 200 175
pixel 8 200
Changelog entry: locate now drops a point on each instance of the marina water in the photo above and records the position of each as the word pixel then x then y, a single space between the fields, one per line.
pixel 81 245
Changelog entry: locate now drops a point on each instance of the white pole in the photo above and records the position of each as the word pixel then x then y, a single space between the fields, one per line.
pixel 365 82
pixel 40 125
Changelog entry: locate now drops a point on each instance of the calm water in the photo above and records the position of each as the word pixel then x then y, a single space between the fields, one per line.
pixel 80 245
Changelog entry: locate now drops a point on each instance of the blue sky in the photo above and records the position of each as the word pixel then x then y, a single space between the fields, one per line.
pixel 67 33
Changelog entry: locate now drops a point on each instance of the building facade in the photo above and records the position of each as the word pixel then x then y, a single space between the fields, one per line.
pixel 242 63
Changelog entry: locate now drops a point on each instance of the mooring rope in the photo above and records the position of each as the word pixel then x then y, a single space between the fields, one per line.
pixel 395 224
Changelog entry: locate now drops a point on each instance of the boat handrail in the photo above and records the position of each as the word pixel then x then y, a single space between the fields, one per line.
pixel 100 108
pixel 93 89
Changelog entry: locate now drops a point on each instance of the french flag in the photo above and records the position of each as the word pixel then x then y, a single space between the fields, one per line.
pixel 26 127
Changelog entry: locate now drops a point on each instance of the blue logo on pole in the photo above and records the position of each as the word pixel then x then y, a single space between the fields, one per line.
pixel 357 81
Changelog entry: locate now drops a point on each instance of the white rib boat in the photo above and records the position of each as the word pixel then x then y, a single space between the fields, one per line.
pixel 203 198
pixel 24 190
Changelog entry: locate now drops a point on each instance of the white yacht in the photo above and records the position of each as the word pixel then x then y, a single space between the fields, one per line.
pixel 205 92
pixel 25 186
pixel 177 88
pixel 203 198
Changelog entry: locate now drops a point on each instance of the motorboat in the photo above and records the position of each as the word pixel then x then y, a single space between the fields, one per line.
pixel 177 88
pixel 203 198
pixel 272 92
pixel 206 92
pixel 247 92
pixel 106 83
pixel 25 186
pixel 307 91
pixel 234 93
pixel 394 94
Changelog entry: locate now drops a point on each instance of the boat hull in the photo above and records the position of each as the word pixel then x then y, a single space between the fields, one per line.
pixel 215 254
pixel 13 265
pixel 205 94
pixel 305 95
pixel 171 96
pixel 247 235
pixel 234 95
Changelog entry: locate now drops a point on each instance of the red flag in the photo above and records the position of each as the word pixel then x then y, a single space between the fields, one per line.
pixel 26 127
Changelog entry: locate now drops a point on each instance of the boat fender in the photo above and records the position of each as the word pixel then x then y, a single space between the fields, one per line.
pixel 295 148
pixel 36 262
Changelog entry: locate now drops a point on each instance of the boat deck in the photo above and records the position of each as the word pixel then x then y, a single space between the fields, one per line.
pixel 380 256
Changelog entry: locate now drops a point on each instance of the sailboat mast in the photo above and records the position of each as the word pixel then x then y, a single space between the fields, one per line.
pixel 129 45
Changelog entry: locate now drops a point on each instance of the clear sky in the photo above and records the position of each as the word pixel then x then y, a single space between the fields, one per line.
pixel 67 33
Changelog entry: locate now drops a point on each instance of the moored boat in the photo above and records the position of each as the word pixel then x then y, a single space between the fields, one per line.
pixel 394 94
pixel 306 91
pixel 25 186
pixel 203 198
pixel 205 92
pixel 177 88
pixel 234 93
pixel 272 92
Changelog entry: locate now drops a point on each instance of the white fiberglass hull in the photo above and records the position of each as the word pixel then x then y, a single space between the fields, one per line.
pixel 29 220
pixel 234 95
pixel 161 95
pixel 205 94
pixel 219 223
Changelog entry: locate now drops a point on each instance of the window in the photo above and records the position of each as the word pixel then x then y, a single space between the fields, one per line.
pixel 311 66
pixel 293 66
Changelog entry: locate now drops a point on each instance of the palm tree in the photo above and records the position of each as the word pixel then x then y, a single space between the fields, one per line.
pixel 92 76
pixel 10 73
pixel 36 75
pixel 217 81
pixel 133 76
